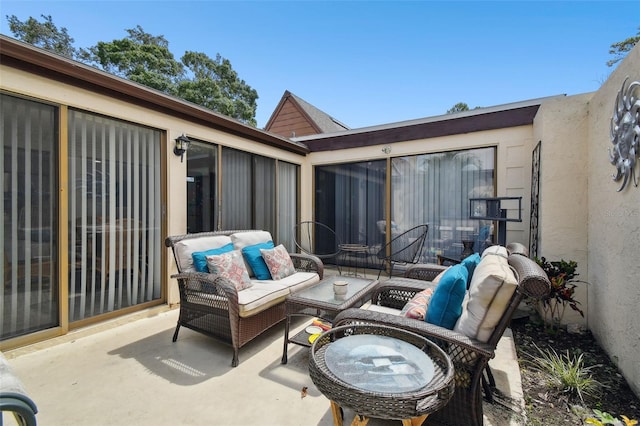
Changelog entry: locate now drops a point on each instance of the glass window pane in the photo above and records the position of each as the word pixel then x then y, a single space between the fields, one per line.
pixel 202 185
pixel 115 212
pixel 28 175
pixel 435 189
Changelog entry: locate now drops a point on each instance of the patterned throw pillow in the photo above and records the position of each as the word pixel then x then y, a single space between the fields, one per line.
pixel 200 257
pixel 231 266
pixel 279 262
pixel 417 307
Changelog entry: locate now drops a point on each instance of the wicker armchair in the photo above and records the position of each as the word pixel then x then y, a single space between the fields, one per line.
pixel 470 357
pixel 209 303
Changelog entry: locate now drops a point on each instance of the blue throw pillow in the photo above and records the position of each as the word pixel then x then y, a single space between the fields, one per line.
pixel 445 306
pixel 200 257
pixel 470 262
pixel 253 256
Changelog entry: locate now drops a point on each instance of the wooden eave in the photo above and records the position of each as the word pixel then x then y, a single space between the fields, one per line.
pixel 283 100
pixel 447 126
pixel 23 56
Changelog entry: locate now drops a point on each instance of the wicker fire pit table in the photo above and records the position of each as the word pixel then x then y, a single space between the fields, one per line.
pixel 382 372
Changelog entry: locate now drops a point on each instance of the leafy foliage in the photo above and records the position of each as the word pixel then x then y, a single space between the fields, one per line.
pixel 43 34
pixel 567 373
pixel 621 48
pixel 217 86
pixel 140 57
pixel 603 418
pixel 146 59
pixel 562 275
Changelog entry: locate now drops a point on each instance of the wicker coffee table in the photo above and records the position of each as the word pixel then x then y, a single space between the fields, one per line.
pixel 320 301
pixel 382 372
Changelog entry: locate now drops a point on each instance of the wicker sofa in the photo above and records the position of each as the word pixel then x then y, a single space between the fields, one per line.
pixel 213 305
pixel 470 356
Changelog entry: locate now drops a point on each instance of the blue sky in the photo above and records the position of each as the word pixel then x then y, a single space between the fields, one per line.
pixel 373 62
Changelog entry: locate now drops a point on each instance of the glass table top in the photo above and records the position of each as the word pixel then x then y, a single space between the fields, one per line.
pixel 379 364
pixel 323 292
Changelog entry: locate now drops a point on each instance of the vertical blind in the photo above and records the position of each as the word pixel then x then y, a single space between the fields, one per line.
pixel 28 175
pixel 287 196
pixel 115 213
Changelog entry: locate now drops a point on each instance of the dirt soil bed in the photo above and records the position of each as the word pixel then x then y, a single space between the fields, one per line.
pixel 546 406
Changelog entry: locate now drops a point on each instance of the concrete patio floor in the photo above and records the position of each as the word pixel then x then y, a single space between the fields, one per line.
pixel 128 371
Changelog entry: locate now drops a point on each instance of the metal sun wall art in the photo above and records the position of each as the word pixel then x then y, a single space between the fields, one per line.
pixel 625 133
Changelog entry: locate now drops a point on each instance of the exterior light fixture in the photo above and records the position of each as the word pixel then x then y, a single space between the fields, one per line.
pixel 386 149
pixel 182 145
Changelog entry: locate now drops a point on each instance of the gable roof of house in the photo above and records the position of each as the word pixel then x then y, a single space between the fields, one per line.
pixel 31 59
pixel 480 119
pixel 293 116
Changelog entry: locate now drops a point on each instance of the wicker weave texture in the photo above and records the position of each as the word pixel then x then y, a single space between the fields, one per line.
pixel 376 404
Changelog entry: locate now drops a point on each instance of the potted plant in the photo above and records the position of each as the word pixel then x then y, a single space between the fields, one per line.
pixel 562 275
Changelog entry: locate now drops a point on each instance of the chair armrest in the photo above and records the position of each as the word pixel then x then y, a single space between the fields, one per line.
pixel 443 337
pixel 444 260
pixel 197 285
pixel 424 271
pixel 396 292
pixel 307 263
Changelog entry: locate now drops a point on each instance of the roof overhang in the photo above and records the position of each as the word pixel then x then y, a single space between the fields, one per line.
pixel 37 61
pixel 481 119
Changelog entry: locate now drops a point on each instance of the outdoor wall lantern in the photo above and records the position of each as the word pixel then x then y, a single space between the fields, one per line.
pixel 625 133
pixel 182 145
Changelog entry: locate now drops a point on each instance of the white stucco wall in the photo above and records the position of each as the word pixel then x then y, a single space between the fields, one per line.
pixel 614 236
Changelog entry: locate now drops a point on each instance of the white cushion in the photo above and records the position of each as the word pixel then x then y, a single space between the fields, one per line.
pixel 490 291
pixel 249 238
pixel 263 294
pixel 383 309
pixel 495 250
pixel 185 248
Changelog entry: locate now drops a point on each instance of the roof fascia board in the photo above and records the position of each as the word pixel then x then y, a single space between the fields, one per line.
pixel 492 118
pixel 38 61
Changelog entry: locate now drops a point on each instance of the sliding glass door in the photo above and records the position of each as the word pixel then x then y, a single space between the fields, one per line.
pixel 432 189
pixel 28 175
pixel 114 215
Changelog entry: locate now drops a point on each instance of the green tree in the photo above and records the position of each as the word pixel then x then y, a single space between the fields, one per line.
pixel 140 57
pixel 146 59
pixel 459 107
pixel 43 34
pixel 216 86
pixel 621 48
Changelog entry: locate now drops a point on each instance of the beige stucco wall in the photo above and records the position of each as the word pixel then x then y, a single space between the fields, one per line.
pixel 45 90
pixel 513 166
pixel 614 235
pixel 562 127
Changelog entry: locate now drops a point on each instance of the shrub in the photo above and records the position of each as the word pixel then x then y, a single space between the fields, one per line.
pixel 562 275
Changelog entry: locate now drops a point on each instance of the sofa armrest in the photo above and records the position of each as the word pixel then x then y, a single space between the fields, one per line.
pixel 454 342
pixel 307 263
pixel 199 287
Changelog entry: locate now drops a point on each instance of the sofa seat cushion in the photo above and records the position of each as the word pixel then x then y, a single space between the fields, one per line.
pixel 184 249
pixel 379 308
pixel 490 292
pixel 266 293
